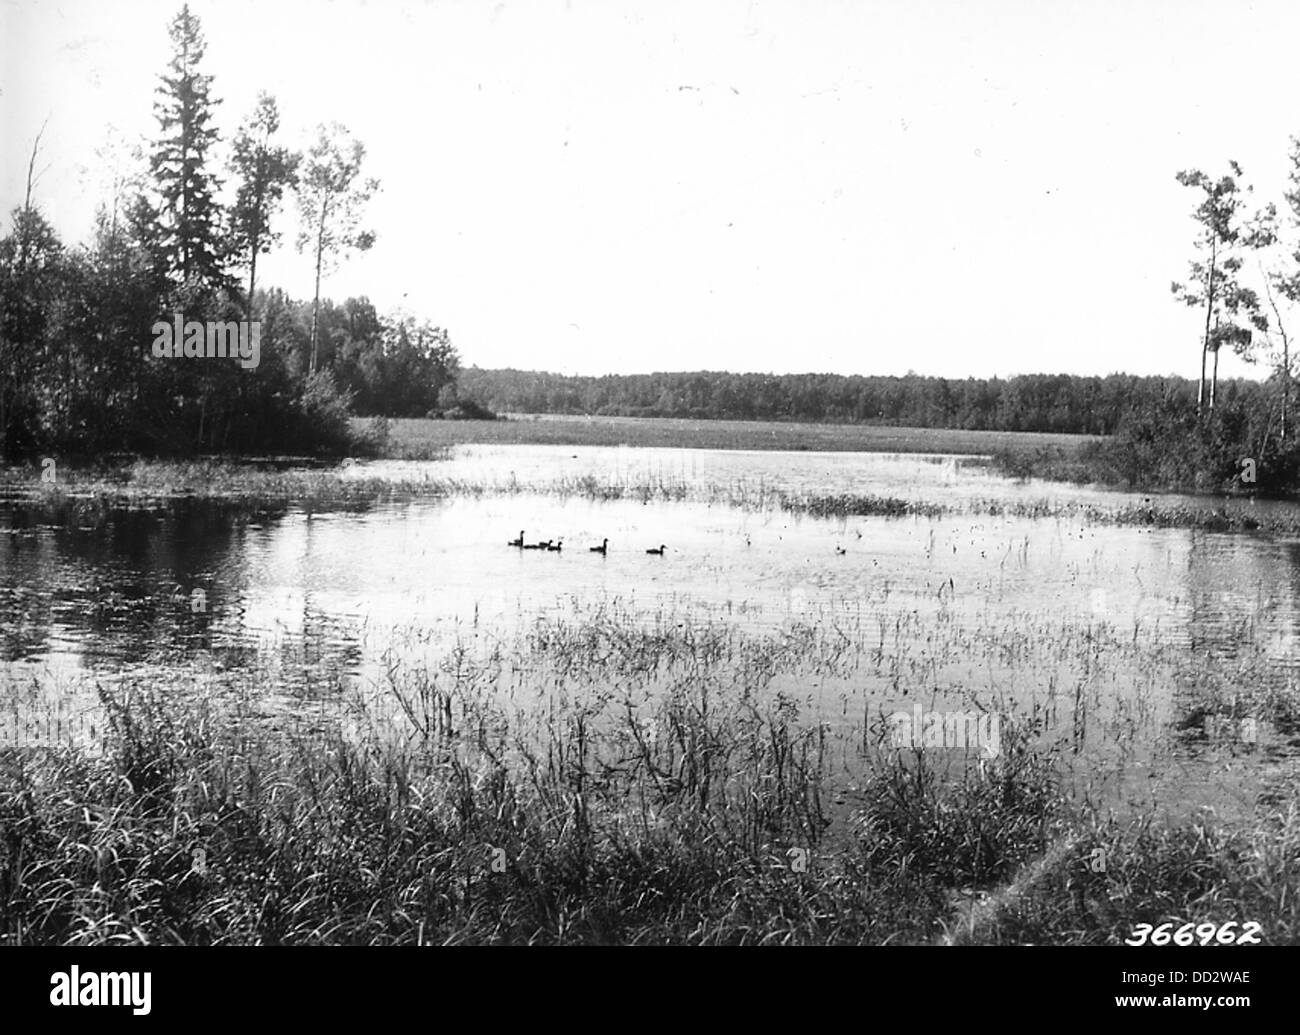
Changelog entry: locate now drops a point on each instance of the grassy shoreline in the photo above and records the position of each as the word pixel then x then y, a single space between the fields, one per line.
pixel 1184 464
pixel 188 824
pixel 1178 459
pixel 707 815
pixel 1080 460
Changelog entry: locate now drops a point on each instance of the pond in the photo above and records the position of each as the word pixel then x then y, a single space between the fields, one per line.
pixel 1109 636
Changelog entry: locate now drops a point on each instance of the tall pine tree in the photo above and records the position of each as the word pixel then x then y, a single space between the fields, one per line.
pixel 188 213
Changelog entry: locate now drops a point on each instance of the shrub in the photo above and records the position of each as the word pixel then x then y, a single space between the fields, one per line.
pixel 323 416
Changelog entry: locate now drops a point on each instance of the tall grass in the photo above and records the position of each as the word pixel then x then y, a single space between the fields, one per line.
pixel 89 496
pixel 602 780
pixel 182 832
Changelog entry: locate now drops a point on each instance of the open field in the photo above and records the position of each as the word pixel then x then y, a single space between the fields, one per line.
pixel 416 438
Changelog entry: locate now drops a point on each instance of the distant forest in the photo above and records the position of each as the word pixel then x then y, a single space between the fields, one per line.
pixel 1032 402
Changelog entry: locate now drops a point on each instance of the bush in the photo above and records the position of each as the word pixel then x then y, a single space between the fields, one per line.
pixel 323 416
pixel 374 439
pixel 1166 447
pixel 468 409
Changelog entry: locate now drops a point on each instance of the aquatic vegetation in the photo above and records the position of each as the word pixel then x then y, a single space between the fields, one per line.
pixel 607 769
pixel 597 777
pixel 86 497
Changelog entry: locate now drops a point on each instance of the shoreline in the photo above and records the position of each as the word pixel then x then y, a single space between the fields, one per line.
pixel 160 483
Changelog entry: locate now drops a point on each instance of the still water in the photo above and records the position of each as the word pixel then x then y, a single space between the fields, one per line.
pixel 1006 612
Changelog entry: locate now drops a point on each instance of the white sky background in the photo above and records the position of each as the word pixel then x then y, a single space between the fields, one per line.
pixel 958 188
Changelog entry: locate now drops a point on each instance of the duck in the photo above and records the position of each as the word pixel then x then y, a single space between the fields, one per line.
pixel 519 541
pixel 556 548
pixel 840 550
pixel 659 552
pixel 602 548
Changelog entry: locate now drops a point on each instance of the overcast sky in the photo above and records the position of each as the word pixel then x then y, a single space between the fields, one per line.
pixel 957 187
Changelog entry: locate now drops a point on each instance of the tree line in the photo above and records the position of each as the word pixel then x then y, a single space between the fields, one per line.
pixel 1164 432
pixel 77 373
pixel 1065 403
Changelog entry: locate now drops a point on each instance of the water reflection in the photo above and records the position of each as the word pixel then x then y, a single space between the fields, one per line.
pixel 1015 611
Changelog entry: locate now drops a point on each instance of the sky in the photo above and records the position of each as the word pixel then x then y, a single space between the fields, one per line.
pixel 955 187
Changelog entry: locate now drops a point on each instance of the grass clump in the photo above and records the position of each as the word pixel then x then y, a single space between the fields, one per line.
pixel 702 817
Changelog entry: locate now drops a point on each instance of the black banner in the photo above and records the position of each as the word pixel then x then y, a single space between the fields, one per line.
pixel 167 986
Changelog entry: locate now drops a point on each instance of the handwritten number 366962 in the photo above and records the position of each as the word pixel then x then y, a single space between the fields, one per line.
pixel 1197 934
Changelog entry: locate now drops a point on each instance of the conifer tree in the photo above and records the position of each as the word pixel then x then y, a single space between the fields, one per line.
pixel 188 214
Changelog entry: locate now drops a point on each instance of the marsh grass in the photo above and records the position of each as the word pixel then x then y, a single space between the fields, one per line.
pixel 1157 514
pixel 146 482
pixel 1116 875
pixel 601 779
pixel 87 498
pixel 608 776
pixel 598 837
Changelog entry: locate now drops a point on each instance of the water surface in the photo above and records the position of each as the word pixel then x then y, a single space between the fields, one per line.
pixel 1012 614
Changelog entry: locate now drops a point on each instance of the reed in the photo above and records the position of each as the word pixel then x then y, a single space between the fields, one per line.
pixel 604 776
pixel 87 497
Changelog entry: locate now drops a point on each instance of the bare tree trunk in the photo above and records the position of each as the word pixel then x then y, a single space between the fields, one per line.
pixel 315 305
pixel 27 199
pixel 1286 354
pixel 252 278
pixel 1214 379
pixel 1209 312
pixel 257 231
pixel 1200 392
